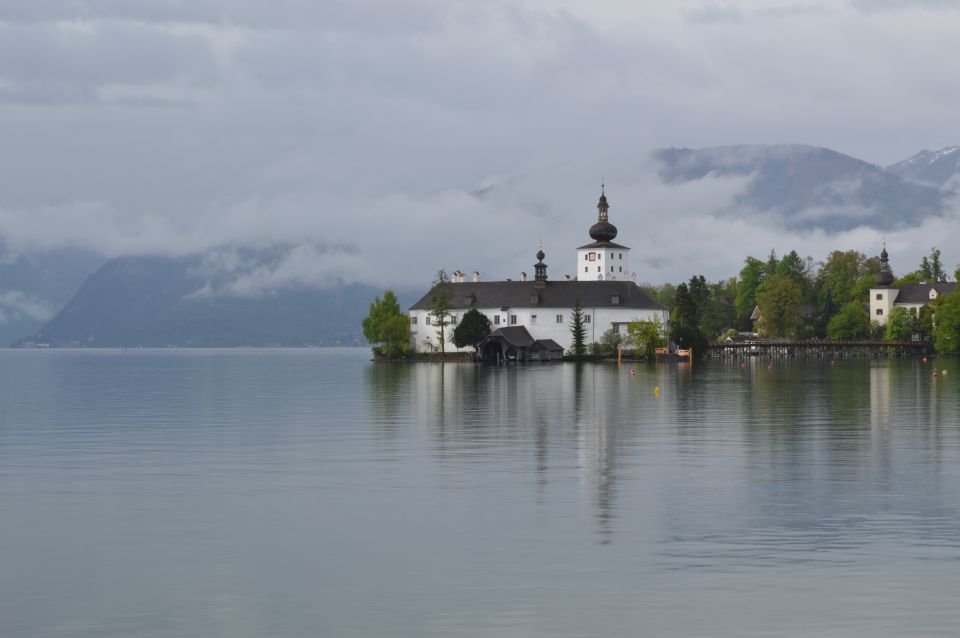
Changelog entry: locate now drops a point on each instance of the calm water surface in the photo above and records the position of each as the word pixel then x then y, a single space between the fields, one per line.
pixel 312 493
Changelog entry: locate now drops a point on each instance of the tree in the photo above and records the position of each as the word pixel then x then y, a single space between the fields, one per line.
pixel 611 339
pixel 948 323
pixel 852 322
pixel 752 276
pixel 932 269
pixel 925 322
pixel 647 336
pixel 441 298
pixel 386 328
pixel 840 275
pixel 473 328
pixel 578 330
pixel 720 312
pixel 956 274
pixel 901 325
pixel 781 307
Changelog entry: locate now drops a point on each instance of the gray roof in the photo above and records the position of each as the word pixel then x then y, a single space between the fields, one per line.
pixel 546 345
pixel 920 293
pixel 555 294
pixel 603 244
pixel 516 336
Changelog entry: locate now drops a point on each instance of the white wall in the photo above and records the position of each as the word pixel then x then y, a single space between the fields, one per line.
pixel 604 259
pixel 545 325
pixel 887 297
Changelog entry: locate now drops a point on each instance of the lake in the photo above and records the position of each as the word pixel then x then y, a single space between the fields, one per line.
pixel 313 493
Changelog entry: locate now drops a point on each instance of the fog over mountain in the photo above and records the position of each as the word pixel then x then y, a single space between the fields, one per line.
pixel 392 139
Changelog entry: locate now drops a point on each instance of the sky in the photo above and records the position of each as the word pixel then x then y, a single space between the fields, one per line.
pixel 361 131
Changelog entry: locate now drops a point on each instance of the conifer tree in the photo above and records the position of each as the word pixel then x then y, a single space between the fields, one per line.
pixel 578 330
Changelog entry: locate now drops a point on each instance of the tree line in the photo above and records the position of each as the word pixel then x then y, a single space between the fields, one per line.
pixel 793 297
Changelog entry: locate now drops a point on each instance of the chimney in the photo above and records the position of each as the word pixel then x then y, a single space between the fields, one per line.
pixel 476 276
pixel 523 276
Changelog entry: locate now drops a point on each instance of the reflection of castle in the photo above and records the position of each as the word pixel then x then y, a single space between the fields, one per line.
pixel 603 285
pixel 884 298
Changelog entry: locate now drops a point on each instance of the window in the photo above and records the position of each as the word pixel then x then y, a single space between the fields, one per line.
pixel 586 269
pixel 621 256
pixel 533 318
pixel 585 256
pixel 621 268
pixel 413 320
pixel 559 318
pixel 879 311
pixel 534 299
pixel 586 318
pixel 496 319
pixel 611 268
pixel 453 320
pixel 428 320
pixel 598 268
pixel 879 295
pixel 611 255
pixel 615 300
pixel 513 320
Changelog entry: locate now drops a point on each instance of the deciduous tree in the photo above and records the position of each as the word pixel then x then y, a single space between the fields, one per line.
pixel 948 323
pixel 647 336
pixel 781 307
pixel 901 325
pixel 852 322
pixel 473 328
pixel 386 328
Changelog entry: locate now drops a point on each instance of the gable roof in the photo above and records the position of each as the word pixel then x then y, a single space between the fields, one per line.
pixel 546 345
pixel 516 336
pixel 920 293
pixel 554 294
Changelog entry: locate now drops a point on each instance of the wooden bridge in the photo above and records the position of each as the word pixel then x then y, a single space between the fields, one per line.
pixel 815 348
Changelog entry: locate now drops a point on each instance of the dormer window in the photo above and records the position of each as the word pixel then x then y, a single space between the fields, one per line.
pixel 534 299
pixel 615 300
pixel 933 293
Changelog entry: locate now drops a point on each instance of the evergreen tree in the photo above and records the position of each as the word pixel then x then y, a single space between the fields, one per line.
pixel 441 298
pixel 931 269
pixel 578 330
pixel 473 328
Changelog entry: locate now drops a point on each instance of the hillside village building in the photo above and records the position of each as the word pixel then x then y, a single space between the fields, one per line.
pixel 542 307
pixel 884 298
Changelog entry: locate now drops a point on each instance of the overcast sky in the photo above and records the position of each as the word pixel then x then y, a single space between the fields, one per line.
pixel 363 126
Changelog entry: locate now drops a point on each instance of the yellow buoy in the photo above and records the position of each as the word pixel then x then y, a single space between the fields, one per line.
pixel 656 391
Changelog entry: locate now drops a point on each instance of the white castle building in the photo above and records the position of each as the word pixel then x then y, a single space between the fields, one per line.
pixel 884 297
pixel 537 314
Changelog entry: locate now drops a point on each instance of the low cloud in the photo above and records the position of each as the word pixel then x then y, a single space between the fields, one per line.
pixel 15 304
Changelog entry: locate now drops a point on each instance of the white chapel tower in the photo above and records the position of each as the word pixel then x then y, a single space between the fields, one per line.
pixel 603 260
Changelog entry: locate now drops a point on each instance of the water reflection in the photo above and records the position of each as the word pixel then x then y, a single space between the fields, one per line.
pixel 294 493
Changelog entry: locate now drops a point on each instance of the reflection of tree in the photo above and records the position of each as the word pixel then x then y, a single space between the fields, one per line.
pixel 596 432
pixel 387 390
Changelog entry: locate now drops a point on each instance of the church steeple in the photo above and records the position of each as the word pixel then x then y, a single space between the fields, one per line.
pixel 603 230
pixel 540 269
pixel 885 275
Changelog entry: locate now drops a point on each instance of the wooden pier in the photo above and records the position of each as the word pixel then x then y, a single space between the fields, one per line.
pixel 817 348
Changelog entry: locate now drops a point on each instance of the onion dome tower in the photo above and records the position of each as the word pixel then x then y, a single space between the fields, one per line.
pixel 540 269
pixel 603 230
pixel 602 259
pixel 885 275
